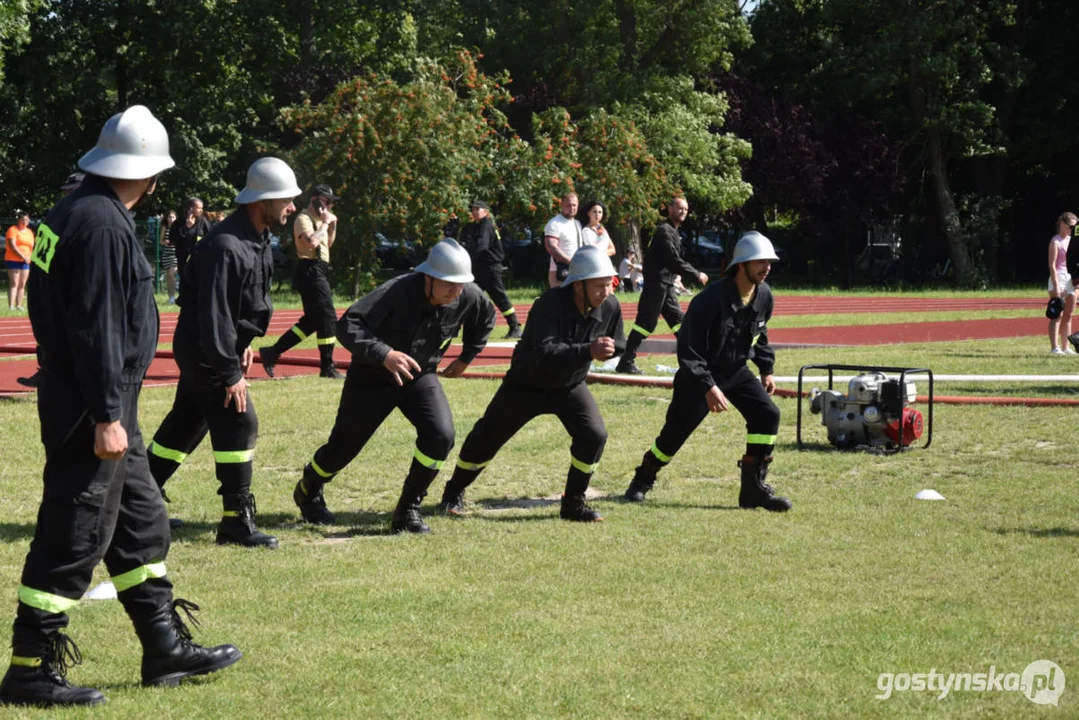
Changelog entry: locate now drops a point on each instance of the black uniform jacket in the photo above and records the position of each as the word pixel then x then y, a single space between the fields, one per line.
pixel 482 242
pixel 397 316
pixel 224 299
pixel 663 258
pixel 555 351
pixel 185 238
pixel 719 334
pixel 92 300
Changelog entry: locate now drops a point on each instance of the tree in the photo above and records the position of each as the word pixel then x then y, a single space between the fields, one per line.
pixel 405 156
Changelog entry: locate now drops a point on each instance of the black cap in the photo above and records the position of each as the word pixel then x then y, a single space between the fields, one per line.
pixel 324 191
pixel 478 204
pixel 73 181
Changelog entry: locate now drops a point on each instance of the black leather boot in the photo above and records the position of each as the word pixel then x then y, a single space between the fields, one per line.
pixel 238 525
pixel 453 496
pixel 309 498
pixel 406 516
pixel 268 356
pixel 328 368
pixel 644 479
pixel 168 653
pixel 38 672
pixel 574 507
pixel 755 491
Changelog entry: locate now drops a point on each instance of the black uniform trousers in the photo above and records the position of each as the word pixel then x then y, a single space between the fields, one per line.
pixel 688 409
pixel 319 314
pixel 513 407
pixel 197 409
pixel 489 278
pixel 92 509
pixel 656 299
pixel 367 399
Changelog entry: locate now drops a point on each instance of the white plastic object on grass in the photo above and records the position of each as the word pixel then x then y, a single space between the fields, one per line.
pixel 103 591
pixel 929 494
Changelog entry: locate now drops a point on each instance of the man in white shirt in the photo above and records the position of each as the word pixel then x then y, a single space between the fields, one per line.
pixel 562 237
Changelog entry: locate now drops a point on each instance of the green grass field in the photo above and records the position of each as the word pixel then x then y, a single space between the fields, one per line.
pixel 684 606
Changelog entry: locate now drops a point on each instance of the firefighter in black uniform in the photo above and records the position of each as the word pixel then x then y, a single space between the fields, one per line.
pixel 568 327
pixel 480 238
pixel 224 304
pixel 397 334
pixel 186 232
pixel 314 232
pixel 93 312
pixel 725 326
pixel 662 262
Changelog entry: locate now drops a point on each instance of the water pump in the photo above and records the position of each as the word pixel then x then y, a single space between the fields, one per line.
pixel 870 413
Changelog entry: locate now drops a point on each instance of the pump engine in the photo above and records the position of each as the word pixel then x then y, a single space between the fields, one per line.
pixel 870 412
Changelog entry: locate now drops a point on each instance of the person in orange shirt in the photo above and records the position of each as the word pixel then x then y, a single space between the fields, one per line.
pixel 19 243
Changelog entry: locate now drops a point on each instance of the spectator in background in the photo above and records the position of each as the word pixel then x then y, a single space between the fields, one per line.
pixel 630 272
pixel 593 233
pixel 168 254
pixel 19 244
pixel 562 237
pixel 71 184
pixel 188 229
pixel 1061 285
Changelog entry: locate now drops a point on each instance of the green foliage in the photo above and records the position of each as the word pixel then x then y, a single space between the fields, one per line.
pixel 404 155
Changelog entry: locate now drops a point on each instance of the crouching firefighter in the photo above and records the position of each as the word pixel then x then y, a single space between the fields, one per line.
pixel 568 327
pixel 224 304
pixel 397 335
pixel 95 321
pixel 725 325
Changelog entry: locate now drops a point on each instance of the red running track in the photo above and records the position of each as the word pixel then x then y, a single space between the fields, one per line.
pixel 17 339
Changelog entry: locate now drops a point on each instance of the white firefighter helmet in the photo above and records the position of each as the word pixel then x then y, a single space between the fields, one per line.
pixel 448 261
pixel 268 178
pixel 587 263
pixel 133 145
pixel 752 246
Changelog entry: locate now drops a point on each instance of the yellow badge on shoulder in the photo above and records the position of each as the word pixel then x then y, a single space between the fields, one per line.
pixel 44 247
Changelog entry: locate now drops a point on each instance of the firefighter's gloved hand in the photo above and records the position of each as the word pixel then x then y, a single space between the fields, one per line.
pixel 110 440
pixel 717 401
pixel 602 348
pixel 237 393
pixel 400 365
pixel 455 369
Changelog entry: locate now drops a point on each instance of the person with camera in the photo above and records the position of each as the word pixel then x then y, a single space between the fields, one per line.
pixel 568 327
pixel 562 237
pixel 480 237
pixel 224 304
pixel 663 264
pixel 314 232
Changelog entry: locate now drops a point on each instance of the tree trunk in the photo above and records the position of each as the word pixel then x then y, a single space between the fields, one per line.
pixel 305 15
pixel 949 216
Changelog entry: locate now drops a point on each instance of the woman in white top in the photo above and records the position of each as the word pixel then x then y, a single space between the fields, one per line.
pixel 593 233
pixel 1061 285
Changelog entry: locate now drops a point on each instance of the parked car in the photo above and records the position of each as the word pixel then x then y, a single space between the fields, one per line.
pixel 398 254
pixel 706 251
pixel 525 256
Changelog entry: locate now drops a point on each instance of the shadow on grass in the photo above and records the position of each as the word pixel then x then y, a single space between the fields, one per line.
pixel 13 532
pixel 674 505
pixel 1055 532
